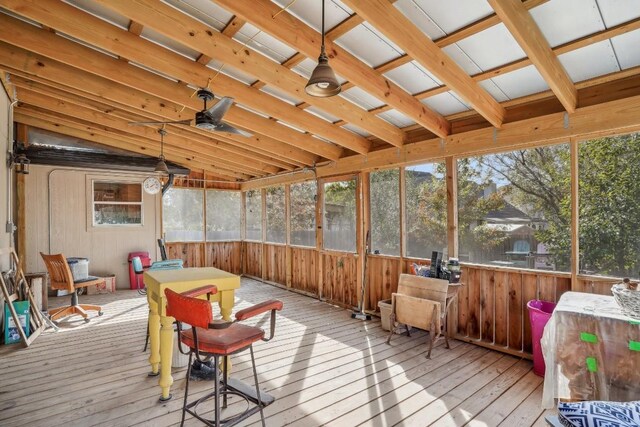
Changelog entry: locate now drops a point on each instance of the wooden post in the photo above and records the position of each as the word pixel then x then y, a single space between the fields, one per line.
pixel 243 229
pixel 263 198
pixel 452 206
pixel 319 235
pixel 575 208
pixel 21 235
pixel 363 219
pixel 287 219
pixel 402 185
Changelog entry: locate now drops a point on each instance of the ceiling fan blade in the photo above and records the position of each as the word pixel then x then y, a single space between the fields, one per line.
pixel 217 111
pixel 224 127
pixel 174 122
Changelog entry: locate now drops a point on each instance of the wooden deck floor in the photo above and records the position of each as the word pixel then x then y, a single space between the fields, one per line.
pixel 323 367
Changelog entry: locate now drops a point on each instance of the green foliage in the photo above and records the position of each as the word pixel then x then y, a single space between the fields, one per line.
pixel 385 211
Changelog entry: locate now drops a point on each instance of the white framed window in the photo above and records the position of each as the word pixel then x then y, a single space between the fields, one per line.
pixel 116 203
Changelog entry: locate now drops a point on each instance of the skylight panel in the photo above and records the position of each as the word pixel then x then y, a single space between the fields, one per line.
pixel 626 48
pixel 492 47
pixel 310 12
pixel 451 15
pixel 322 114
pixel 412 77
pixel 368 45
pixel 264 43
pixel 462 59
pixel 361 98
pixel 231 72
pixel 445 103
pixel 280 94
pixel 168 43
pixel 355 129
pixel 396 118
pixel 420 18
pixel 522 82
pixel 101 12
pixel 590 61
pixel 493 90
pixel 619 11
pixel 205 11
pixel 566 20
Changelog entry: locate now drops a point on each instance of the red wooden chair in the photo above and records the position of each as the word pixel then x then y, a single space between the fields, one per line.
pixel 208 338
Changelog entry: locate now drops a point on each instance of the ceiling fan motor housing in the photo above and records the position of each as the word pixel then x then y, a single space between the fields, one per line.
pixel 203 121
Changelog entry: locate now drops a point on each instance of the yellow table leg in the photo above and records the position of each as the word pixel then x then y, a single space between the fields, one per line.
pixel 154 335
pixel 166 354
pixel 226 304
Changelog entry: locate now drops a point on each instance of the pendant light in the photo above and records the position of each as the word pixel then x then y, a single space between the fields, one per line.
pixel 323 82
pixel 161 166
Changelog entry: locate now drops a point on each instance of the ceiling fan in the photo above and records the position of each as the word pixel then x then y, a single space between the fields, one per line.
pixel 209 118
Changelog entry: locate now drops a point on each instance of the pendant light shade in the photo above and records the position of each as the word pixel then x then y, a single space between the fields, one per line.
pixel 323 82
pixel 161 166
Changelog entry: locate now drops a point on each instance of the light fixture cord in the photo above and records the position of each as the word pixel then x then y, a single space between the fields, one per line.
pixel 322 46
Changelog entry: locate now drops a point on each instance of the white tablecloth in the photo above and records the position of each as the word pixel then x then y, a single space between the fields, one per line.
pixel 591 351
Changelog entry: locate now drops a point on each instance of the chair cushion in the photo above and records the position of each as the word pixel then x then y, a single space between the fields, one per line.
pixel 223 341
pixel 599 414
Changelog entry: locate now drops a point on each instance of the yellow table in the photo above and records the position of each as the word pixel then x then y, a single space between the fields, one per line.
pixel 161 326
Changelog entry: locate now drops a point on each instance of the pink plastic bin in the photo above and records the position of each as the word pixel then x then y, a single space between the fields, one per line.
pixel 539 315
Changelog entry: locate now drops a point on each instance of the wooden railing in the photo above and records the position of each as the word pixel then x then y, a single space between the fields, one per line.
pixel 491 309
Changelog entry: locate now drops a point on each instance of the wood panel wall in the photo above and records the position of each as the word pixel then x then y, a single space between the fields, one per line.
pixel 491 309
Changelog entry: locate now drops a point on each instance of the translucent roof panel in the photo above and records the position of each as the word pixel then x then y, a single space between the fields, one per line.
pixel 494 90
pixel 310 12
pixel 626 48
pixel 396 118
pixel 264 43
pixel 462 59
pixel 412 77
pixel 280 94
pixel 562 21
pixel 361 98
pixel 101 12
pixel 162 40
pixel 445 103
pixel 369 45
pixel 619 11
pixel 420 18
pixel 205 11
pixel 356 129
pixel 522 82
pixel 84 43
pixel 231 72
pixel 590 61
pixel 492 47
pixel 244 107
pixel 322 114
pixel 449 15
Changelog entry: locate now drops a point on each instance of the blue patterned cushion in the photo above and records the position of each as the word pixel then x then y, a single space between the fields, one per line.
pixel 600 414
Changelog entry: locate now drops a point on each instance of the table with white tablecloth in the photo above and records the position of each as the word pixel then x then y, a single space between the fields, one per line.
pixel 591 351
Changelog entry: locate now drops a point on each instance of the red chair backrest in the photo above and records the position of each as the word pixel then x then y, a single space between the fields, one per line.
pixel 196 312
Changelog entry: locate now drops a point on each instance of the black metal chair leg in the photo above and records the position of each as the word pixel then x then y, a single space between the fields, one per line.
pixel 146 342
pixel 216 378
pixel 186 390
pixel 255 378
pixel 226 376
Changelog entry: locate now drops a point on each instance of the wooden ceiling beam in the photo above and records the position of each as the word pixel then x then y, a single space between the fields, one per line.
pixel 394 25
pixel 306 40
pixel 115 96
pixel 209 145
pixel 233 26
pixel 587 40
pixel 240 163
pixel 109 37
pixel 530 38
pixel 30 38
pixel 93 134
pixel 197 35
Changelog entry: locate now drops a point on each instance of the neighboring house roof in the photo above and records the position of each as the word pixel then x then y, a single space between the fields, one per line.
pixel 510 227
pixel 508 214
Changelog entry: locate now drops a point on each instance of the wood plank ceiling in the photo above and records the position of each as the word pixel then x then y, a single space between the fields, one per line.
pixel 86 68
